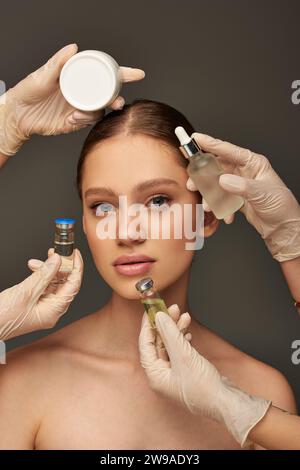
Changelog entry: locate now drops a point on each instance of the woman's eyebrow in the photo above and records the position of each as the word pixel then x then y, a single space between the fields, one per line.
pixel 100 191
pixel 149 184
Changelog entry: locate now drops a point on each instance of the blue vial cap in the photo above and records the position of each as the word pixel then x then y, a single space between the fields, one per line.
pixel 64 221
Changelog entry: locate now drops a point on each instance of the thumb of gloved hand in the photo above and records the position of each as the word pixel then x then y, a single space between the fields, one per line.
pixel 35 284
pixel 45 79
pixel 236 184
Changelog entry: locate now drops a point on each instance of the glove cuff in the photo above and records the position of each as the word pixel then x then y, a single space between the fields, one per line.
pixel 284 243
pixel 241 411
pixel 11 138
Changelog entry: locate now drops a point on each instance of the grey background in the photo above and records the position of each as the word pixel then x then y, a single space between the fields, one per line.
pixel 228 65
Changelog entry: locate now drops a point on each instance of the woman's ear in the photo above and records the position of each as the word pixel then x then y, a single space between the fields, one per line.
pixel 83 224
pixel 211 224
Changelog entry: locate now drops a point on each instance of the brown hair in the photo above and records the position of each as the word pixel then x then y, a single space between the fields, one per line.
pixel 152 118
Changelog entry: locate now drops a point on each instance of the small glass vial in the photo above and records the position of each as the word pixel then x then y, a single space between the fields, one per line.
pixel 151 299
pixel 64 246
pixel 204 169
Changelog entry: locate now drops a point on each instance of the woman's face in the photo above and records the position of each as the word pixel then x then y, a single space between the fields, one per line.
pixel 147 172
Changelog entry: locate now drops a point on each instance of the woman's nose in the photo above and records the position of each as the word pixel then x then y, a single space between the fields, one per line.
pixel 131 229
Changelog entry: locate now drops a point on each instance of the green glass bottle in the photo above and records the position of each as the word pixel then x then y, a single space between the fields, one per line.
pixel 151 299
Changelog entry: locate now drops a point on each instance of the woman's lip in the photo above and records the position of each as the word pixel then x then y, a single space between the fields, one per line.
pixel 134 268
pixel 134 258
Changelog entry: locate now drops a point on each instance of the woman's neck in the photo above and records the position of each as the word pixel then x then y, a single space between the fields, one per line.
pixel 121 319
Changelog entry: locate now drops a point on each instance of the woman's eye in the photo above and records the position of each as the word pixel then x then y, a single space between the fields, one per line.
pixel 159 202
pixel 102 208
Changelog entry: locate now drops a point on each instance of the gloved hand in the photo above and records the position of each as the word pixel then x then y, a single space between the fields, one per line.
pixel 38 302
pixel 36 105
pixel 192 380
pixel 182 321
pixel 269 206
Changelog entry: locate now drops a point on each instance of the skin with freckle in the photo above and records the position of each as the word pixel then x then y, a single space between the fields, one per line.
pixel 83 387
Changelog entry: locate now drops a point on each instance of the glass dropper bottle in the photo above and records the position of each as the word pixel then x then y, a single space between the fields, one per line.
pixel 204 169
pixel 151 299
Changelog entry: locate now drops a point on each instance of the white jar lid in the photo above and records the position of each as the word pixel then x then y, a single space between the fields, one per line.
pixel 90 80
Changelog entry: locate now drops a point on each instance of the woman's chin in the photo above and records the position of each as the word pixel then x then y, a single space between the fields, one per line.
pixel 125 286
pixel 129 293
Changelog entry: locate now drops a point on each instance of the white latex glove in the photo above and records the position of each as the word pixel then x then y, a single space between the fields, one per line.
pixel 36 303
pixel 269 206
pixel 36 105
pixel 192 380
pixel 182 321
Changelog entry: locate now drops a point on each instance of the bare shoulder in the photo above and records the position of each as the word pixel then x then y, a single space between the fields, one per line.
pixel 258 378
pixel 40 357
pixel 248 373
pixel 22 390
pixel 28 380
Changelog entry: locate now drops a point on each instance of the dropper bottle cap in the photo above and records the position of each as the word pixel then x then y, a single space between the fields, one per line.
pixel 187 143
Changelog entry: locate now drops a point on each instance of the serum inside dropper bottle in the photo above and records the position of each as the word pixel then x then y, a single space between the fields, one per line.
pixel 204 169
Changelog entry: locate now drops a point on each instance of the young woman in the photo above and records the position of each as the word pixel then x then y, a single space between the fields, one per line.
pixel 83 387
